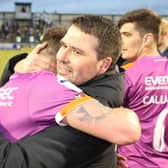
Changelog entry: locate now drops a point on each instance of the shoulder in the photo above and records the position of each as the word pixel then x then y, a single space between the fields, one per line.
pixel 107 88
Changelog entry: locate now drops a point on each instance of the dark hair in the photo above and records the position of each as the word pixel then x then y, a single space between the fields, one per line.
pixel 107 33
pixel 146 21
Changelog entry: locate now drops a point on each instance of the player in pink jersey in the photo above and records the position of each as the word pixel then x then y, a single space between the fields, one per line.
pixel 146 89
pixel 23 110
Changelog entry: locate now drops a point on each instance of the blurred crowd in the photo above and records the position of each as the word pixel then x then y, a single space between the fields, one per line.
pixel 13 31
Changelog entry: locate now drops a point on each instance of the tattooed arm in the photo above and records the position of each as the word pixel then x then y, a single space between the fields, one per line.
pixel 117 125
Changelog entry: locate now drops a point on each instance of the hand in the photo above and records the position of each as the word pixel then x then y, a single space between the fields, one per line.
pixel 35 61
pixel 121 161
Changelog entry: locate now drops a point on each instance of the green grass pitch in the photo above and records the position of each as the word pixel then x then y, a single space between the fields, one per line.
pixel 5 55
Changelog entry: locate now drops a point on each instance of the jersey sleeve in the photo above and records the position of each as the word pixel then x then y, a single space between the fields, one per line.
pixel 70 107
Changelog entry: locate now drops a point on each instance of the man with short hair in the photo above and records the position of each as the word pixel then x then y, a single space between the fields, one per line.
pixel 87 57
pixel 146 88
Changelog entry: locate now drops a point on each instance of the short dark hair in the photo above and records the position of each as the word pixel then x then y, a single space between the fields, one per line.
pixel 105 30
pixel 146 21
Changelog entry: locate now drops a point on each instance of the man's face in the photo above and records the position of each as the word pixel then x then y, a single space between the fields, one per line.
pixel 163 40
pixel 77 58
pixel 132 42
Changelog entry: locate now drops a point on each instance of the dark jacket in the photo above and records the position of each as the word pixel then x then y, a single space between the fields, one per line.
pixel 65 147
pixel 9 68
pixel 164 53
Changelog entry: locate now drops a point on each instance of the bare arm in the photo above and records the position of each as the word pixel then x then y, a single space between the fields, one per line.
pixel 117 125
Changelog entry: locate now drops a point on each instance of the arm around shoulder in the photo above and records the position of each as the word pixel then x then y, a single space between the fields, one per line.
pixel 117 125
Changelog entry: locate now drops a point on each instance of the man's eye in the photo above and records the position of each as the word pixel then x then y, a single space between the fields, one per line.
pixel 76 52
pixel 128 34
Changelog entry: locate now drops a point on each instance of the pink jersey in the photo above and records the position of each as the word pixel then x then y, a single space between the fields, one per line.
pixel 146 92
pixel 29 102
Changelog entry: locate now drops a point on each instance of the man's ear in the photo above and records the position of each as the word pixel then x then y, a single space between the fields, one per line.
pixel 105 64
pixel 148 38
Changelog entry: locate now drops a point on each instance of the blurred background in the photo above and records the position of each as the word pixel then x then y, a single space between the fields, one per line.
pixel 22 22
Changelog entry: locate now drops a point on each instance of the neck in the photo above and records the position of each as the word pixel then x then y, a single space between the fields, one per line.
pixel 150 52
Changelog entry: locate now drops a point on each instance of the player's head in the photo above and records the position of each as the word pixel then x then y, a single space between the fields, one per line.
pixel 140 31
pixel 89 48
pixel 52 36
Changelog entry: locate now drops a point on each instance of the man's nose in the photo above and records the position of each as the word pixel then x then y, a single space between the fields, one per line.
pixel 65 54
